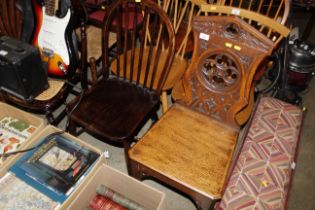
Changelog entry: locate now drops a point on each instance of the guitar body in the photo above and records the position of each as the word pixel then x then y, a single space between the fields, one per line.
pixel 53 37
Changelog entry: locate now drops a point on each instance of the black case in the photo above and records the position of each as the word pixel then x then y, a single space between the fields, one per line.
pixel 21 69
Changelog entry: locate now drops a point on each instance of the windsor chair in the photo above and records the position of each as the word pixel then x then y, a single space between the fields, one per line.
pixel 115 108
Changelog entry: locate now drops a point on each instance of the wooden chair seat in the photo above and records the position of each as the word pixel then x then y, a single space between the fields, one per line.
pixel 177 69
pixel 201 166
pixel 113 108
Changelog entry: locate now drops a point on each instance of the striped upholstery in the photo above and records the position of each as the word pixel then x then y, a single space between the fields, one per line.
pixel 261 175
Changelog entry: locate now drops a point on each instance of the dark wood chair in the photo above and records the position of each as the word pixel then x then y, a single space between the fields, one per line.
pixel 190 148
pixel 116 107
pixel 59 89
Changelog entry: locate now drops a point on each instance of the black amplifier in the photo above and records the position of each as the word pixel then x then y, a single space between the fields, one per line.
pixel 21 69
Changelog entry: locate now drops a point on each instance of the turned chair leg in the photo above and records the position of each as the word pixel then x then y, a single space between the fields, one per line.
pixel 126 149
pixel 164 101
pixel 71 127
pixel 92 63
pixel 50 118
pixel 134 170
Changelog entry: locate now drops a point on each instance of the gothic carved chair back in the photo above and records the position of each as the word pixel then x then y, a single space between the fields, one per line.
pixel 50 102
pixel 268 24
pixel 226 55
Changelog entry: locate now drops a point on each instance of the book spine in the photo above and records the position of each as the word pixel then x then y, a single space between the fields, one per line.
pixel 118 198
pixel 102 203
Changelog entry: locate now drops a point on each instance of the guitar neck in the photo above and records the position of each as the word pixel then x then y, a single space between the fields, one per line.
pixel 51 7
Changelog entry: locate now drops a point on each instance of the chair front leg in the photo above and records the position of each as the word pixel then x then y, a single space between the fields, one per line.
pixel 71 127
pixel 127 144
pixel 164 101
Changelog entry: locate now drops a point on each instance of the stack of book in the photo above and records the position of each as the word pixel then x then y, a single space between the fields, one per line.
pixel 107 198
pixel 13 133
pixel 46 175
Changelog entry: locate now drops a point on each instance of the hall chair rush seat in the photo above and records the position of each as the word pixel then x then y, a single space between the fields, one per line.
pixel 191 146
pixel 262 173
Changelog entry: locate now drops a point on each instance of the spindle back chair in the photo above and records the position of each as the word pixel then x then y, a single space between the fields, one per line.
pixel 115 108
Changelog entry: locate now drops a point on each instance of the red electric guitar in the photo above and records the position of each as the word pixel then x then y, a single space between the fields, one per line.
pixel 53 36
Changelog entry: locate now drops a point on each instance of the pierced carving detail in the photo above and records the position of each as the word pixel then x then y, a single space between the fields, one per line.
pixel 219 72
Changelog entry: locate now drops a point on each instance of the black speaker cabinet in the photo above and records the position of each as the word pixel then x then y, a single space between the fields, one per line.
pixel 21 69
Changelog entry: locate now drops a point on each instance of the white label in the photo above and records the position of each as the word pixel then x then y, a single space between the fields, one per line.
pixel 204 36
pixel 3 52
pixel 293 164
pixel 236 12
pixel 106 154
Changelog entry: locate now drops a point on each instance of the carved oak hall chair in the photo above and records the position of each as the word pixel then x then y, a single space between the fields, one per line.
pixel 268 18
pixel 51 99
pixel 115 108
pixel 191 146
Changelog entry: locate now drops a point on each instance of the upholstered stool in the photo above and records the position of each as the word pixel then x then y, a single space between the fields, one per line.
pixel 263 171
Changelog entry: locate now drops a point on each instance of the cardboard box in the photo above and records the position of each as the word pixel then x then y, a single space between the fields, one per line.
pixel 10 111
pixel 51 129
pixel 99 174
pixel 123 184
